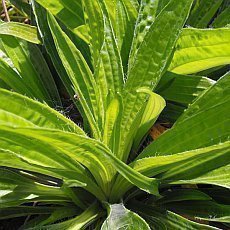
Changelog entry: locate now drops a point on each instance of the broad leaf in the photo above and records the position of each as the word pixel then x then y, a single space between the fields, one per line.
pixel 203 124
pixel 198 49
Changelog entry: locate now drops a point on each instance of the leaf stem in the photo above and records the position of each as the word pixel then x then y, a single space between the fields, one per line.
pixel 5 11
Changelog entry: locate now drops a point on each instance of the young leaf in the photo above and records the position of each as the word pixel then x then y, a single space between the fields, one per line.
pixel 150 62
pixel 201 125
pixel 120 218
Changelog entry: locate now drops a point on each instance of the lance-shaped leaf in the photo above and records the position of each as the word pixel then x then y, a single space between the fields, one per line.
pixel 121 218
pixel 12 79
pixel 223 19
pixel 110 119
pixel 109 74
pixel 203 124
pixel 20 211
pixel 182 166
pixel 79 222
pixel 72 17
pixel 20 30
pixel 198 49
pixel 203 12
pixel 41 19
pixel 16 108
pixel 146 17
pixel 80 76
pixel 18 189
pixel 94 19
pixel 18 50
pixel 182 89
pixel 201 210
pixel 182 195
pixel 124 29
pixel 150 61
pixel 43 157
pixel 219 177
pixel 164 219
pixel 46 145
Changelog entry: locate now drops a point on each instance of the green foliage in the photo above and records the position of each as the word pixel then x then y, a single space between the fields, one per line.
pixel 122 66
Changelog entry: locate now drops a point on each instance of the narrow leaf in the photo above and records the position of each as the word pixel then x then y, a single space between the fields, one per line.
pixel 20 30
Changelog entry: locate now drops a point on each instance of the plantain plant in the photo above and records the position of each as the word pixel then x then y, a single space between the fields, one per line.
pixel 125 65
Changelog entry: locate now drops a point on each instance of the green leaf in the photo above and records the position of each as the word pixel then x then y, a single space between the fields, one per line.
pixel 44 73
pixel 17 189
pixel 206 116
pixel 146 17
pixel 219 93
pixel 219 177
pixel 79 222
pixel 20 30
pixel 163 219
pixel 71 149
pixel 72 17
pixel 151 59
pixel 94 20
pixel 182 88
pixel 14 81
pixel 183 195
pixel 18 211
pixel 109 74
pixel 110 119
pixel 122 218
pixel 17 51
pixel 152 110
pixel 222 20
pixel 58 214
pixel 181 168
pixel 80 76
pixel 202 210
pixel 15 107
pixel 41 19
pixel 126 15
pixel 203 12
pixel 50 160
pixel 200 49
